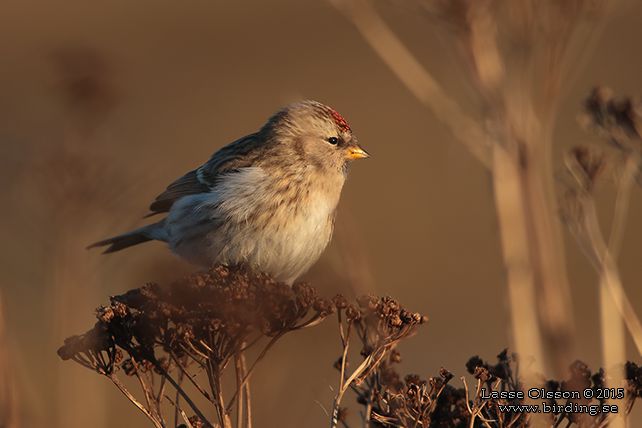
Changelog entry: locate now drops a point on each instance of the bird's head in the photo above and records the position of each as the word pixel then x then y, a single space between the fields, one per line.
pixel 317 134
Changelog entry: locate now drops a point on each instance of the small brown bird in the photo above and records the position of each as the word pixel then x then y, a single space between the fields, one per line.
pixel 267 200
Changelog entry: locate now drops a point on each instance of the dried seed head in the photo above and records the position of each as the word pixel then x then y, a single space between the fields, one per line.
pixel 205 315
pixel 617 119
pixel 482 374
pixel 634 378
pixel 445 374
pixel 473 363
pixel 353 314
pixel 339 301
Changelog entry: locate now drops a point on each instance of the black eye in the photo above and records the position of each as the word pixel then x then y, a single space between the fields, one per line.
pixel 333 140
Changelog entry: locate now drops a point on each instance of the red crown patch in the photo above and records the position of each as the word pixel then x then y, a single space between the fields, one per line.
pixel 340 121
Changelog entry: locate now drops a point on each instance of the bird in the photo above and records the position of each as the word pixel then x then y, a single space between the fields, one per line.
pixel 267 201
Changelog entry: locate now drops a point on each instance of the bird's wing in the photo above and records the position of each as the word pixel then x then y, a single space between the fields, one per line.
pixel 241 153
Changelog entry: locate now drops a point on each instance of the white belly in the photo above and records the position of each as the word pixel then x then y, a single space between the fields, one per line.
pixel 283 240
pixel 285 246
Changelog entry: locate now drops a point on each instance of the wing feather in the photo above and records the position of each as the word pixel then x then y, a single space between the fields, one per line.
pixel 241 153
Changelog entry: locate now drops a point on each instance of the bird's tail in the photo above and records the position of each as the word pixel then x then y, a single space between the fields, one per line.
pixel 154 231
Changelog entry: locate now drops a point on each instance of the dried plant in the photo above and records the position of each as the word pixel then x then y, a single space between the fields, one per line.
pixel 517 55
pixel 389 401
pixel 618 123
pixel 178 341
pixel 164 336
pixel 379 324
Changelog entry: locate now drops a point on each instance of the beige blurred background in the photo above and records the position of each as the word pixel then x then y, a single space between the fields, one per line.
pixel 102 104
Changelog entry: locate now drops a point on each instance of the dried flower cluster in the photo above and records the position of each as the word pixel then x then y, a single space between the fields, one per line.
pixel 633 376
pixel 618 121
pixel 618 156
pixel 415 402
pixel 379 324
pixel 433 402
pixel 580 379
pixel 164 336
pixel 200 323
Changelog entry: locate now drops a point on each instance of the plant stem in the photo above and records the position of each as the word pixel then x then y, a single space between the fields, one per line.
pixel 248 396
pixel 239 386
pixel 136 403
pixel 184 395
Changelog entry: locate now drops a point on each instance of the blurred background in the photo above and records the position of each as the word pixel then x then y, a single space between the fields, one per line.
pixel 103 104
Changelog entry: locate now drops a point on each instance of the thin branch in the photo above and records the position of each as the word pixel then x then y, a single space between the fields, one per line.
pixel 184 395
pixel 613 318
pixel 190 377
pixel 134 401
pixel 185 418
pixel 149 397
pixel 611 276
pixel 253 366
pixel 248 396
pixel 176 402
pixel 627 179
pixel 342 390
pixel 225 421
pixel 213 383
pixel 239 381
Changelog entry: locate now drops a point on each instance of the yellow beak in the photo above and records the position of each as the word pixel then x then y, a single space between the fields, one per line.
pixel 356 152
